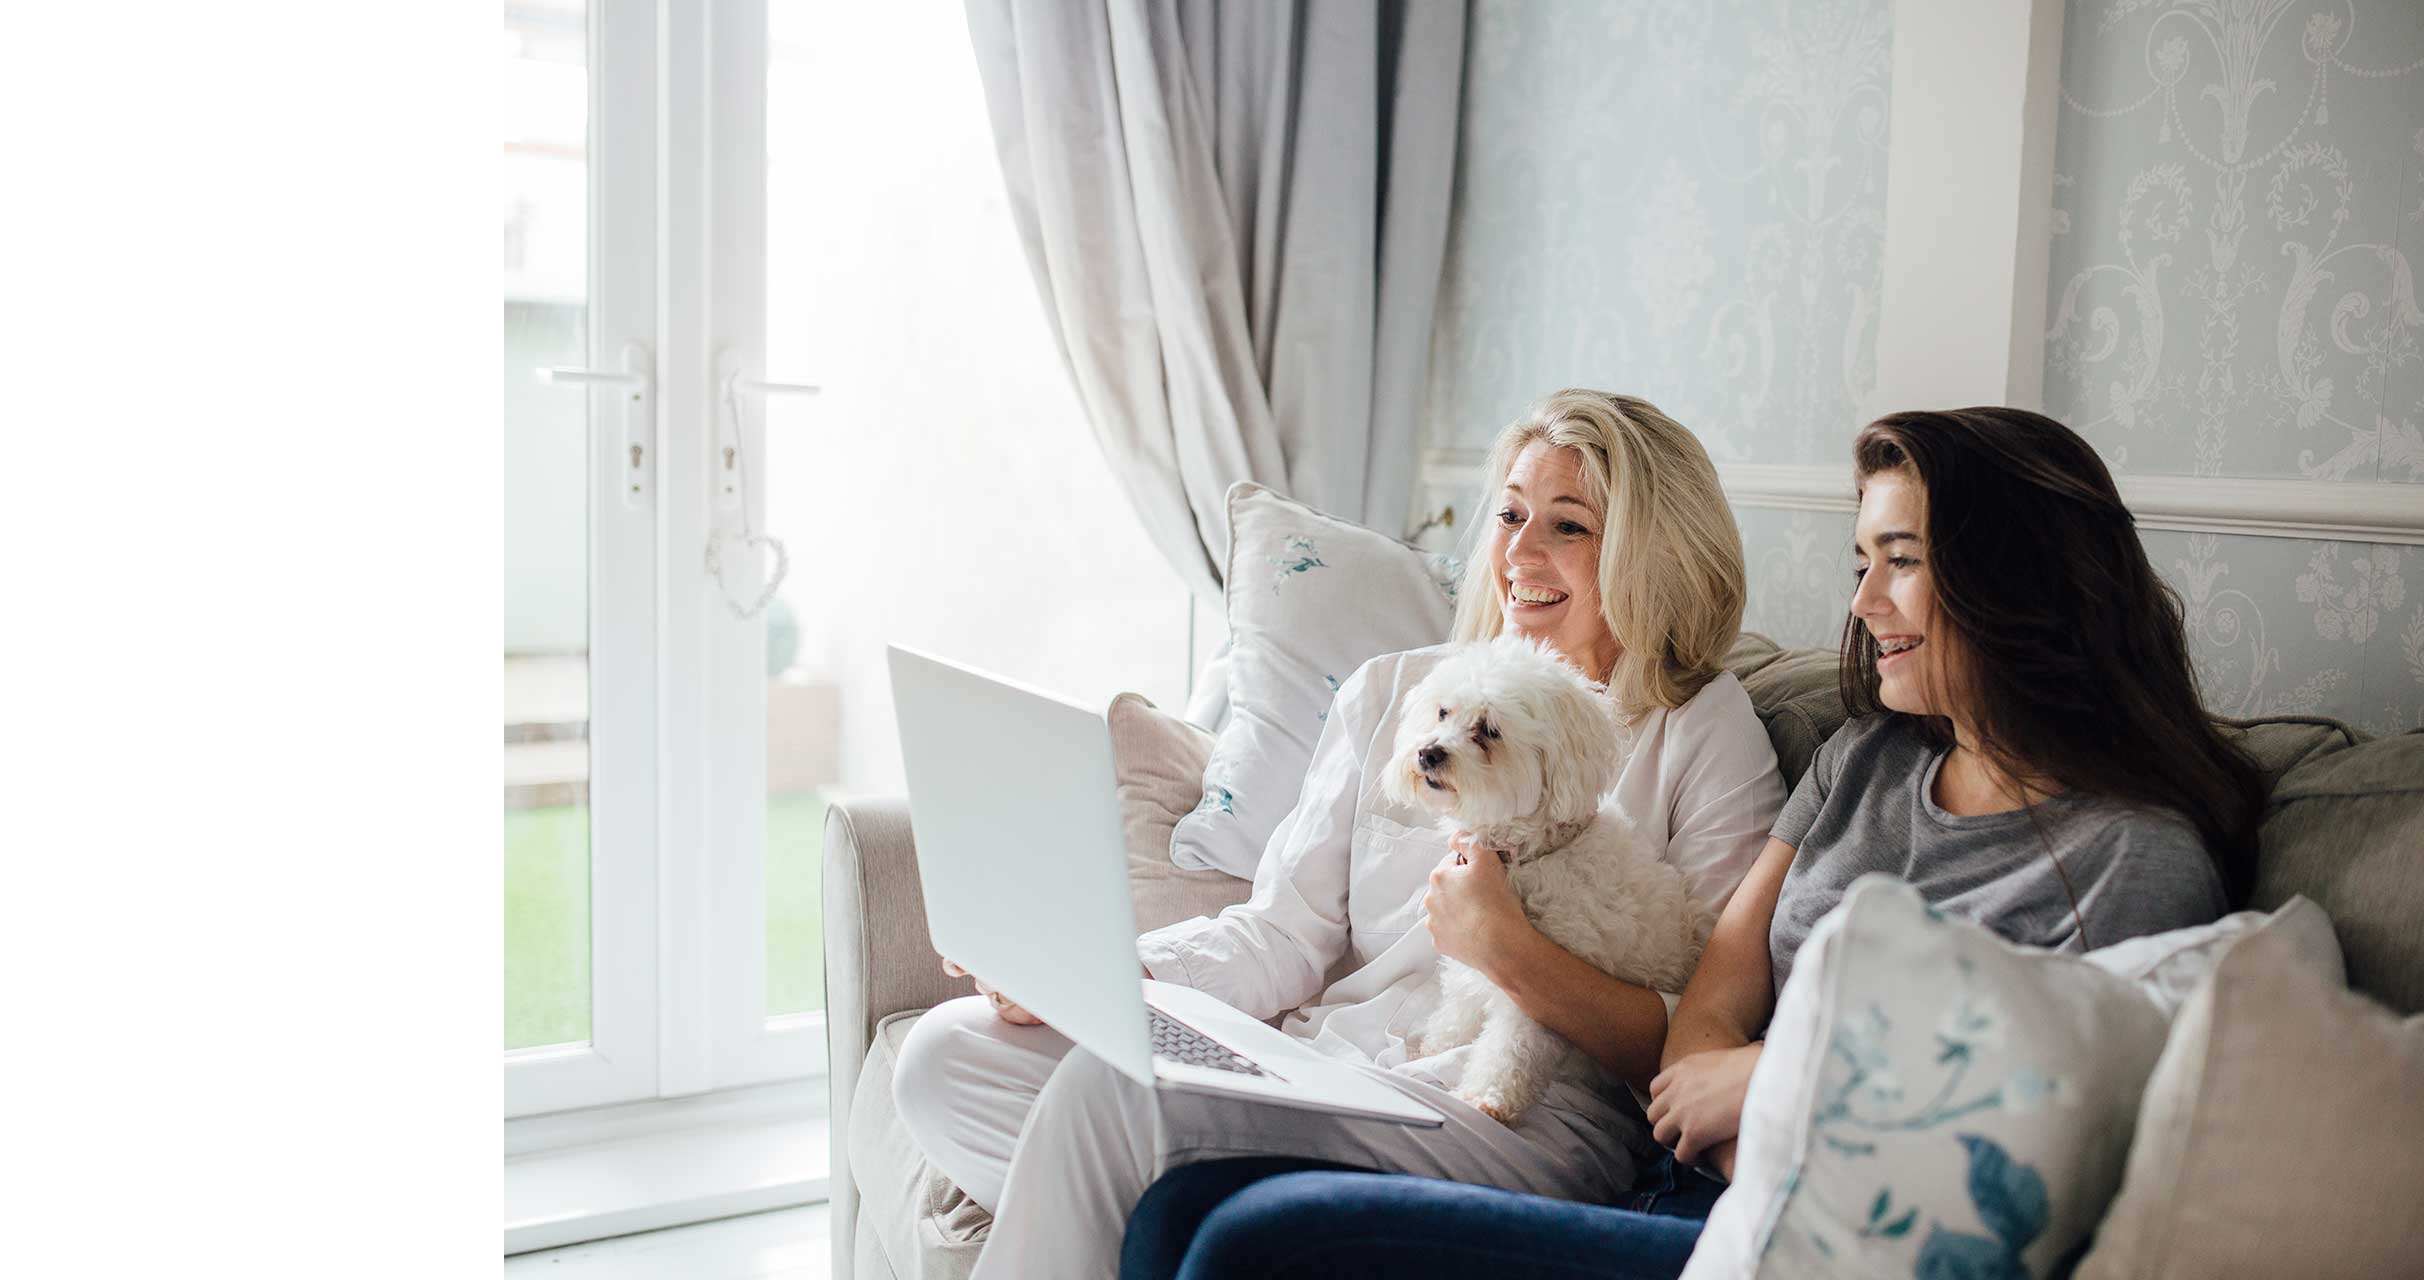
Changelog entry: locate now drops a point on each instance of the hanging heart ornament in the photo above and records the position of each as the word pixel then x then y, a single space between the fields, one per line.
pixel 750 544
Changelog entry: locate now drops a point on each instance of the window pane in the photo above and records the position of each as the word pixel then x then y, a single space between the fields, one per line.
pixel 546 444
pixel 945 491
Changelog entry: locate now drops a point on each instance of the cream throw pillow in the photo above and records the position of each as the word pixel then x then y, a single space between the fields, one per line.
pixel 1932 1101
pixel 1157 761
pixel 1310 599
pixel 2282 1133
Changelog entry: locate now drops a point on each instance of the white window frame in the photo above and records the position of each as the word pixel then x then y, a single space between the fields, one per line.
pixel 677 163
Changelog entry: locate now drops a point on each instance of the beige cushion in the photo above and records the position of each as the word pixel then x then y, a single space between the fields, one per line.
pixel 2279 1134
pixel 2346 828
pixel 927 1228
pixel 1158 762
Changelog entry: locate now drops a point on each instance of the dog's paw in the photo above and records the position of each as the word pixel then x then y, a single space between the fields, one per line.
pixel 1492 1104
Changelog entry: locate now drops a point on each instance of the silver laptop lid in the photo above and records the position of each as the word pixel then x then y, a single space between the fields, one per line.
pixel 1015 812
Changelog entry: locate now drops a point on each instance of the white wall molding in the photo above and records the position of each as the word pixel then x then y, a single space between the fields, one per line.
pixel 2392 513
pixel 2388 513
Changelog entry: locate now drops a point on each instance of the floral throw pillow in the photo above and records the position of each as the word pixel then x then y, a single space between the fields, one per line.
pixel 1310 599
pixel 1933 1102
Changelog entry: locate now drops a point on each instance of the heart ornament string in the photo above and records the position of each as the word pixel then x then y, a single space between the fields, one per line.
pixel 748 540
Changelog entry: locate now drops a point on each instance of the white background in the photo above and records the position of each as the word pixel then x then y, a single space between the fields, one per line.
pixel 251 533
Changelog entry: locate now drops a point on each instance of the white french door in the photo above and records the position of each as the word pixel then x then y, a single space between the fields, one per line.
pixel 761 199
pixel 583 501
pixel 635 724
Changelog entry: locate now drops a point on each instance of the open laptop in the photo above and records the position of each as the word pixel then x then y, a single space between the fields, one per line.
pixel 1016 818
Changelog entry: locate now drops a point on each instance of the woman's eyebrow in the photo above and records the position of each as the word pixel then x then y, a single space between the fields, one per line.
pixel 1885 539
pixel 1517 490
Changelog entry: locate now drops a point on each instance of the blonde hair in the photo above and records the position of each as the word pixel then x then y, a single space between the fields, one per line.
pixel 1671 581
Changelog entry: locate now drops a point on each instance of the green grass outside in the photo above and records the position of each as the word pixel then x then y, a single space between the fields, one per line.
pixel 795 896
pixel 547 917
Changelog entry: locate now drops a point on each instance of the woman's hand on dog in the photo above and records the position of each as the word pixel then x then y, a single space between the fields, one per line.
pixel 1002 1008
pixel 1696 1104
pixel 1471 907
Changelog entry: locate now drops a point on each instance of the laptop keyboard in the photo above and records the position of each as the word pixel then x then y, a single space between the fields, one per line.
pixel 1179 1042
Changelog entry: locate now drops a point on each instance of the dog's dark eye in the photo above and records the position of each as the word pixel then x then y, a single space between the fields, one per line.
pixel 1485 732
pixel 1443 713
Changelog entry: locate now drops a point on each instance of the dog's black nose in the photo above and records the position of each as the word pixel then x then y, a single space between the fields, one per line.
pixel 1430 758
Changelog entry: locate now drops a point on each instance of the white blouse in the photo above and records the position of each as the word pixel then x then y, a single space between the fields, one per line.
pixel 1334 930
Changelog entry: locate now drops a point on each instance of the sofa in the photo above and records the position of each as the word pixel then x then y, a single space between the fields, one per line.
pixel 2344 827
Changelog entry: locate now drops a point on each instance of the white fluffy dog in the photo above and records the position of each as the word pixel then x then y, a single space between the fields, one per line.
pixel 1507 741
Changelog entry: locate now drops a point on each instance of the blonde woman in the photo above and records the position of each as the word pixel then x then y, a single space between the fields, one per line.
pixel 1609 540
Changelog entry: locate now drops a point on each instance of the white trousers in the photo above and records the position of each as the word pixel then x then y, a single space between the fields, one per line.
pixel 1060 1147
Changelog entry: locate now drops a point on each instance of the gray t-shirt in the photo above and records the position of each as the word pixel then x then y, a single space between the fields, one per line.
pixel 1865 805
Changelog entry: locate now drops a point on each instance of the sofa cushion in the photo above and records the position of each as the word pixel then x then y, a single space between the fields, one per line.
pixel 2279 744
pixel 2346 828
pixel 1932 1101
pixel 2278 1134
pixel 1796 694
pixel 928 1228
pixel 1310 598
pixel 1157 761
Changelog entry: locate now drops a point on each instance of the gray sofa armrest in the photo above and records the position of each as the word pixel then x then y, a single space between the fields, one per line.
pixel 878 961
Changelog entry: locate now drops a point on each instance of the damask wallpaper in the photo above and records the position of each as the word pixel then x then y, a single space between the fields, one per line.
pixel 1680 199
pixel 1800 569
pixel 1686 199
pixel 2239 197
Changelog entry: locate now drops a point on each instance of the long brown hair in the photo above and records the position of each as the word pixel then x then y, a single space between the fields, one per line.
pixel 2075 662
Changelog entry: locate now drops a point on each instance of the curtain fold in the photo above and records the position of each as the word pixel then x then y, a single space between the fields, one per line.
pixel 1236 214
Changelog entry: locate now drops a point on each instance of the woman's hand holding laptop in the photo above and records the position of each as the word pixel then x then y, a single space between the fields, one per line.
pixel 1008 1012
pixel 1002 1007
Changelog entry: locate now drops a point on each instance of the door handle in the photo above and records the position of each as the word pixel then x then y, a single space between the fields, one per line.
pixel 728 442
pixel 634 386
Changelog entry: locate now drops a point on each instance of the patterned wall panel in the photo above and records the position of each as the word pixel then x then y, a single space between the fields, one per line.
pixel 1800 569
pixel 2239 199
pixel 2282 626
pixel 1683 199
pixel 2239 194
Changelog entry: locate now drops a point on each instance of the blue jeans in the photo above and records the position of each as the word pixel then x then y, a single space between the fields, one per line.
pixel 1309 1220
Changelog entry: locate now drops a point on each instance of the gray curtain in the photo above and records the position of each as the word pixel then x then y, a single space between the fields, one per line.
pixel 1236 212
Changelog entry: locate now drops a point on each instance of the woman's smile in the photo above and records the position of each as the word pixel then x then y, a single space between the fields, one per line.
pixel 1533 601
pixel 1892 649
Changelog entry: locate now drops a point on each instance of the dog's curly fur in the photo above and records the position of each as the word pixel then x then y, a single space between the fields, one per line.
pixel 1505 740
